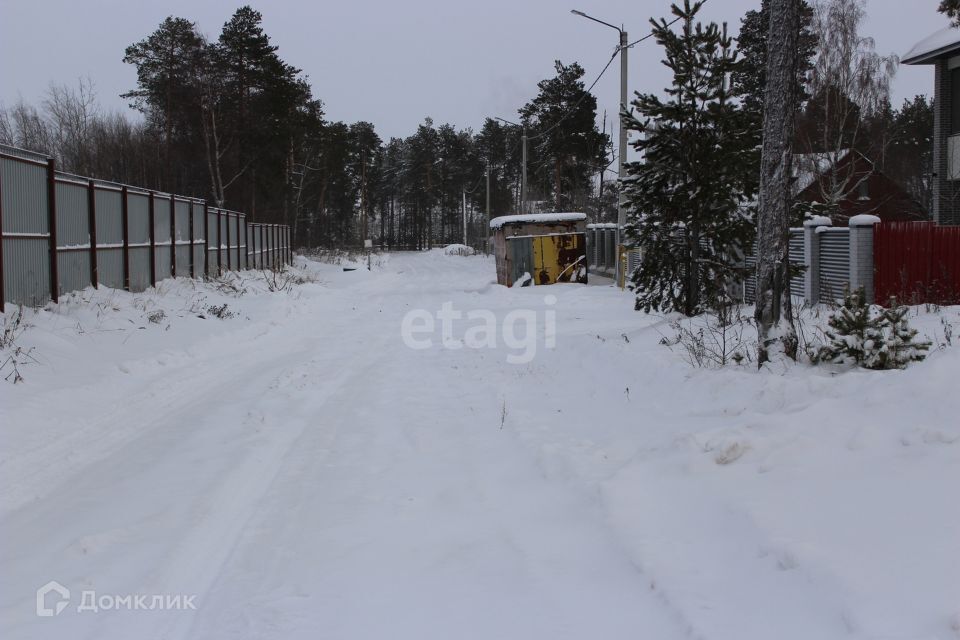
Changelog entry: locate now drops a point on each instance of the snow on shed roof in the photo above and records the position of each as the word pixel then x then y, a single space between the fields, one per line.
pixel 534 218
pixel 932 47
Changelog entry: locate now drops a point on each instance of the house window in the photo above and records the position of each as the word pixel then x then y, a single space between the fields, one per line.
pixel 863 189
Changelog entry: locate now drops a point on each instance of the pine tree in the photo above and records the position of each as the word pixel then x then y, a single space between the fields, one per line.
pixel 168 91
pixel 566 145
pixel 776 333
pixel 686 197
pixel 751 77
pixel 952 9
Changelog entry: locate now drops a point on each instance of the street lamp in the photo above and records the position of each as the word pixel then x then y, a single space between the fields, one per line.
pixel 621 212
pixel 523 177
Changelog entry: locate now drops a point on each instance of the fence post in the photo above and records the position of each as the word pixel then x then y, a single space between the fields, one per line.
pixel 52 216
pixel 3 300
pixel 92 226
pixel 153 243
pixel 193 249
pixel 206 240
pixel 229 248
pixel 861 254
pixel 125 224
pixel 173 236
pixel 220 227
pixel 811 257
pixel 241 258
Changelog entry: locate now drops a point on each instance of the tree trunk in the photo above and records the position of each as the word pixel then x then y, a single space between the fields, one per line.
pixel 777 334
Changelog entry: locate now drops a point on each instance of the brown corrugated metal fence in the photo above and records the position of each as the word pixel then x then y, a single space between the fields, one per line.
pixel 60 233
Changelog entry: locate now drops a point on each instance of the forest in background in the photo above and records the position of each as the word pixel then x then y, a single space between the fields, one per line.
pixel 228 120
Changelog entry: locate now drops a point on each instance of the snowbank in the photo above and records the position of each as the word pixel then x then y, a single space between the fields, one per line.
pixel 458 250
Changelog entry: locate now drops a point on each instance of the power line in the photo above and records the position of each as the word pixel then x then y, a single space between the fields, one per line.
pixel 594 84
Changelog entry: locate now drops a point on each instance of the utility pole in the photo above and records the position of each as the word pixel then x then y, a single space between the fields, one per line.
pixel 622 154
pixel 486 236
pixel 523 162
pixel 523 179
pixel 465 217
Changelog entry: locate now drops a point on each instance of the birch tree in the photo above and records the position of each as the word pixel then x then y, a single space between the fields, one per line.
pixel 850 85
pixel 774 313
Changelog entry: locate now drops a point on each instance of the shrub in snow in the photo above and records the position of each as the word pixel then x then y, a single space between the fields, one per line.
pixel 870 336
pixel 714 339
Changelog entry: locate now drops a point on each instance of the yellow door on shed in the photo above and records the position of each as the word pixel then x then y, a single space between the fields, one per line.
pixel 559 258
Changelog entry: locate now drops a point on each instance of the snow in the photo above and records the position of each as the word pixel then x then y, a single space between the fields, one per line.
pixel 863 220
pixel 535 218
pixel 818 221
pixel 458 250
pixel 602 225
pixel 943 39
pixel 305 474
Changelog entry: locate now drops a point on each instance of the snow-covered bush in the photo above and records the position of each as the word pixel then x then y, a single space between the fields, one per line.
pixel 870 336
pixel 458 250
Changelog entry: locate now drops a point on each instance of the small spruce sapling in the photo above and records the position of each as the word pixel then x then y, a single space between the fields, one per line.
pixel 896 346
pixel 870 337
pixel 851 326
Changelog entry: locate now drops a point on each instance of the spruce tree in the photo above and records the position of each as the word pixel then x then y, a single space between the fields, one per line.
pixel 869 336
pixel 687 196
pixel 851 333
pixel 896 346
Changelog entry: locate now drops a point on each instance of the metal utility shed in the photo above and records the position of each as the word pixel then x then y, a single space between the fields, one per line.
pixel 550 247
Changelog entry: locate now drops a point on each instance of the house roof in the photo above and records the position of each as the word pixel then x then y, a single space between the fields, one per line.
pixel 807 167
pixel 927 51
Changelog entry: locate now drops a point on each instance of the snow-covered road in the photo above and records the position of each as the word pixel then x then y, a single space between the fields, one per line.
pixel 305 473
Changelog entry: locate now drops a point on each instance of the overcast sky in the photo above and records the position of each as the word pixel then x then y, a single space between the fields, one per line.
pixel 394 62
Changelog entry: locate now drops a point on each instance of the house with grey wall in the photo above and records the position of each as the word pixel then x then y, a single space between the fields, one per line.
pixel 942 51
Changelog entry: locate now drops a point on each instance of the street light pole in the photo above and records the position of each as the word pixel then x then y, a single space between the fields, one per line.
pixel 622 153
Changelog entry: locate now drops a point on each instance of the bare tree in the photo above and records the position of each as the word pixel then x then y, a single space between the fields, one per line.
pixel 30 128
pixel 850 88
pixel 72 114
pixel 6 127
pixel 777 334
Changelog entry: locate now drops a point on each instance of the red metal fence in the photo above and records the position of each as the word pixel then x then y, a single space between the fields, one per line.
pixel 916 262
